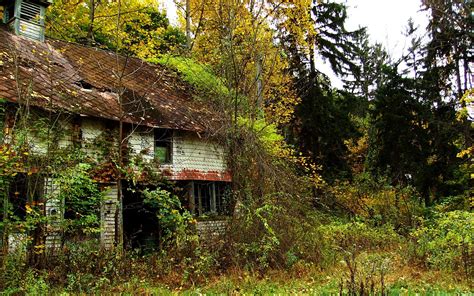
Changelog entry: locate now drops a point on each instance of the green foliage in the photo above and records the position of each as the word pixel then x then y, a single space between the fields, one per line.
pixel 346 240
pixel 323 124
pixel 196 74
pixel 447 241
pixel 262 250
pixel 142 30
pixel 172 218
pixel 376 202
pixel 412 141
pixel 156 33
pixel 2 118
pixel 266 133
pixel 365 274
pixel 82 198
pixel 30 283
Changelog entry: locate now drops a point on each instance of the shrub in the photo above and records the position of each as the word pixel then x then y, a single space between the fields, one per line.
pixel 446 242
pixel 82 215
pixel 275 232
pixel 173 220
pixel 346 240
pixel 376 202
pixel 365 274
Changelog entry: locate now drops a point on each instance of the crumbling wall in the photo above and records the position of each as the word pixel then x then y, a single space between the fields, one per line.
pixel 108 214
pixel 211 229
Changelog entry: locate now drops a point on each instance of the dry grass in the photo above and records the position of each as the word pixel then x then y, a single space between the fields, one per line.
pixel 304 279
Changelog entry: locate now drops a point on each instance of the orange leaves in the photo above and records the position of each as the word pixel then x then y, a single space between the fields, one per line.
pixel 237 38
pixel 11 160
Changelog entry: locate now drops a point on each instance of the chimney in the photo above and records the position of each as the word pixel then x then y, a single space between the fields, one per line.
pixel 26 17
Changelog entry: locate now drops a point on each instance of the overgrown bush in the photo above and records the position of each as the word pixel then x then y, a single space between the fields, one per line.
pixel 173 220
pixel 346 240
pixel 365 274
pixel 180 243
pixel 376 202
pixel 446 242
pixel 81 196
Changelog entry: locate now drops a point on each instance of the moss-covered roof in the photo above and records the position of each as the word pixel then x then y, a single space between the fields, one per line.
pixel 83 80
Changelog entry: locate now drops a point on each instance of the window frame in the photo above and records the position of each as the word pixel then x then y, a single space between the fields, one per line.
pixel 164 137
pixel 215 199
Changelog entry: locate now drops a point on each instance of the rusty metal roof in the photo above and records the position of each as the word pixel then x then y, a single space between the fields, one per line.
pixel 61 76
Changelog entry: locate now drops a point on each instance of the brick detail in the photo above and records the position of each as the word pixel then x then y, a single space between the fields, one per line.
pixel 54 213
pixel 107 215
pixel 211 229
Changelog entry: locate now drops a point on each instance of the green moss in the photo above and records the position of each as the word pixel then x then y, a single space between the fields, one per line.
pixel 198 75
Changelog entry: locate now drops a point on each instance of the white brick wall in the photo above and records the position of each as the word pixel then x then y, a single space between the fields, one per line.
pixel 211 229
pixel 54 213
pixel 107 213
pixel 141 142
pixel 191 152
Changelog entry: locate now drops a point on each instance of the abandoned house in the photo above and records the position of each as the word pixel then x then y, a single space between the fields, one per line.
pixel 99 100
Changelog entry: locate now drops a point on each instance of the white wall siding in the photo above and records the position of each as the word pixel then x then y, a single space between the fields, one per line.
pixel 66 138
pixel 141 142
pixel 193 153
pixel 37 145
pixel 90 131
pixel 108 212
pixel 38 141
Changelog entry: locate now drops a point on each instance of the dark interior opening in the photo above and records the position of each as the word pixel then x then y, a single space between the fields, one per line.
pixel 84 84
pixel 24 190
pixel 140 224
pixel 9 12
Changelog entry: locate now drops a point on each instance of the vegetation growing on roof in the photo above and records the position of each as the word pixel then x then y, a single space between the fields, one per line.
pixel 198 75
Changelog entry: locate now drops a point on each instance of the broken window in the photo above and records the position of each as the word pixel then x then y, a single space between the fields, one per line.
pixel 163 141
pixel 210 198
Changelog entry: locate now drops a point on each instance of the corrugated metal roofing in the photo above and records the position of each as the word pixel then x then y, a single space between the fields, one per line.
pixel 57 75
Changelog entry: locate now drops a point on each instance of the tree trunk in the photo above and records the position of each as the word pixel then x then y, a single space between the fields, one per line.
pixel 90 31
pixel 188 25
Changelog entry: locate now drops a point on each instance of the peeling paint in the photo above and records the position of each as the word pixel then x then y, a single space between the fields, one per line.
pixel 189 174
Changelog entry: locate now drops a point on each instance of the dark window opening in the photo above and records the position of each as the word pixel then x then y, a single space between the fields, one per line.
pixel 210 198
pixel 163 141
pixel 9 12
pixel 24 193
